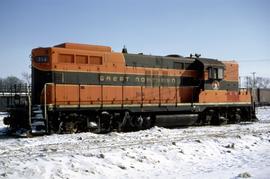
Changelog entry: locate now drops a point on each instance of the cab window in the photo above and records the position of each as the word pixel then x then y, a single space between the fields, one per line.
pixel 216 73
pixel 220 73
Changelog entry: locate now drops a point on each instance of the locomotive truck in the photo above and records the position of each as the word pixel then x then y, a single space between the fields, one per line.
pixel 79 87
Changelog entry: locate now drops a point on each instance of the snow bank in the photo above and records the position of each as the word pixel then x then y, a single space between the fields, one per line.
pixel 263 113
pixel 231 151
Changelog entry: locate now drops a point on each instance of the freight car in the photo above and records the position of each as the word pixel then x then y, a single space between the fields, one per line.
pixel 79 87
pixel 262 97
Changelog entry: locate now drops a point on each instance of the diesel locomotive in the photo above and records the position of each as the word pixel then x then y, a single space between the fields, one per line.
pixel 79 87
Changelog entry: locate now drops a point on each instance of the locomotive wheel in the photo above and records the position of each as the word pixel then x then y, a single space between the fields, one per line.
pixel 131 122
pixel 218 119
pixel 147 122
pixel 141 122
pixel 67 127
pixel 235 118
pixel 207 120
pixel 222 120
pixel 207 117
pixel 137 122
pixel 71 127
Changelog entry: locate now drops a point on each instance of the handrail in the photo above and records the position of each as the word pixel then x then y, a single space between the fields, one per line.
pixel 45 106
pixel 29 107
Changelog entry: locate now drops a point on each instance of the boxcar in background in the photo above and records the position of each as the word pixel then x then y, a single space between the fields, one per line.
pixel 263 97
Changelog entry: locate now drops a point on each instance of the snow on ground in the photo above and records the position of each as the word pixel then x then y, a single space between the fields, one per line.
pixel 231 151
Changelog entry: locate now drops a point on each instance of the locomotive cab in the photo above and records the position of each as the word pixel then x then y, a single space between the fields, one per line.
pixel 212 73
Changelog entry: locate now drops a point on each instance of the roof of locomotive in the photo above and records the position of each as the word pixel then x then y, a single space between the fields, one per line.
pixel 210 62
pixel 168 61
pixel 77 46
pixel 141 60
pixel 85 47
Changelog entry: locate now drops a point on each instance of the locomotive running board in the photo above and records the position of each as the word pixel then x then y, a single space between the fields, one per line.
pixel 51 106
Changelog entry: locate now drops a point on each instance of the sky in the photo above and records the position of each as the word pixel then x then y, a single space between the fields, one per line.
pixel 221 29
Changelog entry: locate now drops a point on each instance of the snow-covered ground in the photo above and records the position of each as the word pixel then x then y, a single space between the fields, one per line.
pixel 231 151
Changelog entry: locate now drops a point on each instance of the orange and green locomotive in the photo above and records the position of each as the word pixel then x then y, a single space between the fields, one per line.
pixel 78 87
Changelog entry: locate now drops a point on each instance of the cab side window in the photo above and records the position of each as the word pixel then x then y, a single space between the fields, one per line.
pixel 220 73
pixel 215 73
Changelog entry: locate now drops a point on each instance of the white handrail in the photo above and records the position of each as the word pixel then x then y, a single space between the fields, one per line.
pixel 45 106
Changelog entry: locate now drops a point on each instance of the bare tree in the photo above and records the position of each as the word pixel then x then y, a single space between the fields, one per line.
pixel 11 80
pixel 248 82
pixel 262 82
pixel 26 77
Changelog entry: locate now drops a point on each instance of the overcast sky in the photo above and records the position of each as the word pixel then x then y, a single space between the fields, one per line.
pixel 223 29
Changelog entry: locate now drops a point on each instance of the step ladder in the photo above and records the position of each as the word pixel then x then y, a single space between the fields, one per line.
pixel 38 122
